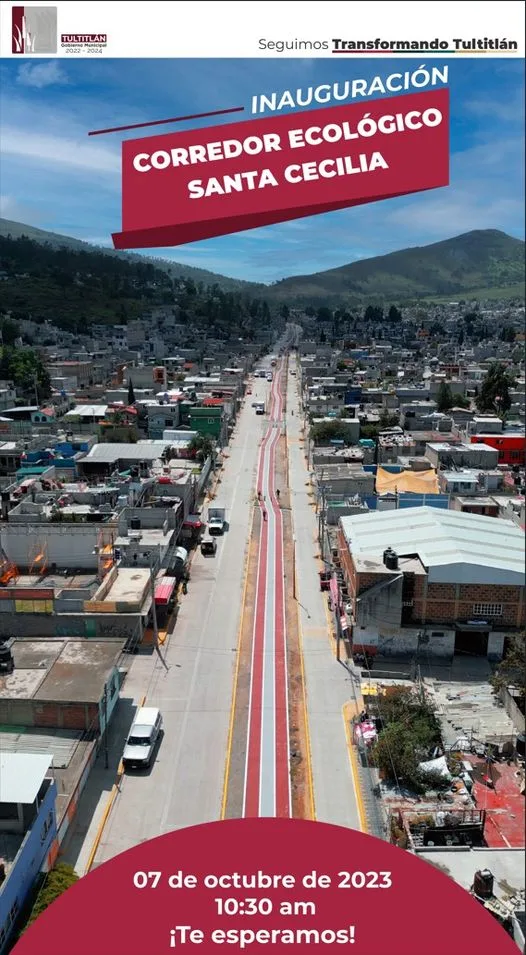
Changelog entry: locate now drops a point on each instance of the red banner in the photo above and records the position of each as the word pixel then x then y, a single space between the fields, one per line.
pixel 193 185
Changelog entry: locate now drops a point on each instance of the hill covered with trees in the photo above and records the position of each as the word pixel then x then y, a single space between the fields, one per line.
pixel 73 288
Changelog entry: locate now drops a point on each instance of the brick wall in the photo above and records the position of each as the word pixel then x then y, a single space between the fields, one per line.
pixel 356 583
pixel 71 716
pixel 442 603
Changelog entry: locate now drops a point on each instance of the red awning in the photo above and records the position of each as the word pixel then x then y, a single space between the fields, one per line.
pixel 164 591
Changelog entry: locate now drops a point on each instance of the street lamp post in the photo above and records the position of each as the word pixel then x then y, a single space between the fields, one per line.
pixel 294 567
pixel 105 702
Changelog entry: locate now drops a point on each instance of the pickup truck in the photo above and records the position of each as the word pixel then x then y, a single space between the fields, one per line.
pixel 216 520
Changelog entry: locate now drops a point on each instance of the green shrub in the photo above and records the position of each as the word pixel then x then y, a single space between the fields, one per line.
pixel 60 878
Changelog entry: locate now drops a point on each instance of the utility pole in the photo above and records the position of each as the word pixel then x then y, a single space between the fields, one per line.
pixel 338 628
pixel 105 703
pixel 35 382
pixel 294 567
pixel 154 609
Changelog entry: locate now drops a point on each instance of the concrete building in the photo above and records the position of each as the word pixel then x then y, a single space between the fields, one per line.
pixel 70 686
pixel 7 394
pixel 350 428
pixel 146 376
pixel 433 581
pixel 104 459
pixel 339 481
pixel 443 454
pixel 510 444
pixel 419 420
pixel 80 371
pixel 28 828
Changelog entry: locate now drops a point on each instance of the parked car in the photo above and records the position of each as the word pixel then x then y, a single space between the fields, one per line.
pixel 209 547
pixel 142 738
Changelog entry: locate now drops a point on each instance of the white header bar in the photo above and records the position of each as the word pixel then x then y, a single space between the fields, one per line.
pixel 178 30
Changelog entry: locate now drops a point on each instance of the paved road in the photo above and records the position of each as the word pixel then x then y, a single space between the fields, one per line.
pixel 267 777
pixel 328 683
pixel 192 686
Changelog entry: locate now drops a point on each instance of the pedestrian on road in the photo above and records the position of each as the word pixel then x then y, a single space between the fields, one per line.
pixel 277 493
pixel 264 515
pixel 259 495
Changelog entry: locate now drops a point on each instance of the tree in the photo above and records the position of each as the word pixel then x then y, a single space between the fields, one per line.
pixel 284 311
pixel 58 880
pixel 395 755
pixel 24 367
pixel 8 332
pixel 460 401
pixel 201 446
pixel 131 393
pixel 325 431
pixel 394 314
pixel 444 397
pixel 324 314
pixel 494 395
pixel 510 671
pixel 410 732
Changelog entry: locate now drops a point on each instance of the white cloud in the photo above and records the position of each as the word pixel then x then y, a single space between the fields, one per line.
pixel 441 215
pixel 39 75
pixel 45 148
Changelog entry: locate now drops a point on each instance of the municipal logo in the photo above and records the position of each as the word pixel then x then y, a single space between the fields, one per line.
pixel 34 30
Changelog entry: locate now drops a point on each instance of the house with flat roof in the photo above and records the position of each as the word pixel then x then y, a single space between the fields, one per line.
pixel 28 830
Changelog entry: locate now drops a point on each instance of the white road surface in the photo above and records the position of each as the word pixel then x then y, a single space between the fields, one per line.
pixel 193 684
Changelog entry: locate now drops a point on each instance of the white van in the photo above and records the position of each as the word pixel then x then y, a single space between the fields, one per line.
pixel 142 738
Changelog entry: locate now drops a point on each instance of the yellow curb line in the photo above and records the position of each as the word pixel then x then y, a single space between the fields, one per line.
pixel 101 827
pixel 224 796
pixel 348 710
pixel 106 813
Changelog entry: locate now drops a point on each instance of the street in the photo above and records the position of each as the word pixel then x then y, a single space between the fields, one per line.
pixel 267 778
pixel 191 679
pixel 191 684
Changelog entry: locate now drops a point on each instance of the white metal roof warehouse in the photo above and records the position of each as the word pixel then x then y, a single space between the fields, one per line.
pixel 453 547
pixel 140 451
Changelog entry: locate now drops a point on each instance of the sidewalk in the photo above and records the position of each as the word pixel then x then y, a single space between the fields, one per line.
pixel 328 682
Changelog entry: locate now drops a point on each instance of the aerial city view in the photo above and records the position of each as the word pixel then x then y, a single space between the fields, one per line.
pixel 262 528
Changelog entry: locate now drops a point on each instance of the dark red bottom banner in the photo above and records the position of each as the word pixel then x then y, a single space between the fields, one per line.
pixel 266 884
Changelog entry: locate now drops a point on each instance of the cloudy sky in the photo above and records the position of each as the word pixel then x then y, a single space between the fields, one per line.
pixel 54 177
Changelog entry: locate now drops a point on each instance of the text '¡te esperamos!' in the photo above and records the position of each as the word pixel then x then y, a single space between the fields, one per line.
pixel 295 139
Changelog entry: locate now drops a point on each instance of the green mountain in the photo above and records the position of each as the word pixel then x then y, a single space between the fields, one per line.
pixel 481 264
pixel 74 287
pixel 16 230
pixel 486 262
